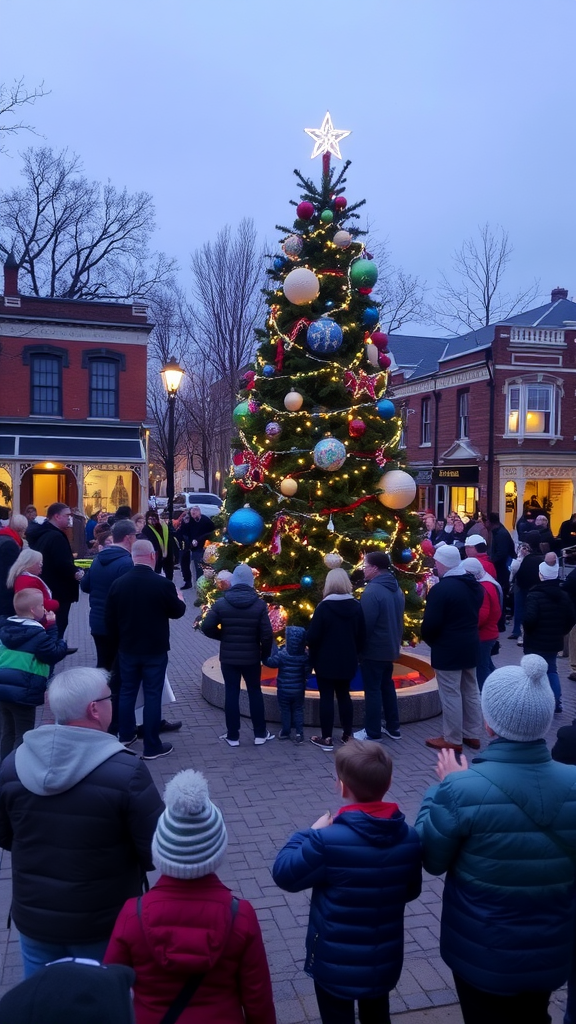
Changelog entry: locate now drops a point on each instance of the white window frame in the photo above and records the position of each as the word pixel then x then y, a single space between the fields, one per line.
pixel 426 423
pixel 517 391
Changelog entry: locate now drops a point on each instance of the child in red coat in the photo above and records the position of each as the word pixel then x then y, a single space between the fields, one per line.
pixel 190 924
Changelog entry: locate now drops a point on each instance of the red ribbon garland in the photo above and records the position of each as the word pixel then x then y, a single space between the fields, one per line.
pixel 275 590
pixel 303 322
pixel 347 508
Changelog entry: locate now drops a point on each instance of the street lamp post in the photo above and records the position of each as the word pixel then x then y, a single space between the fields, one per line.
pixel 171 375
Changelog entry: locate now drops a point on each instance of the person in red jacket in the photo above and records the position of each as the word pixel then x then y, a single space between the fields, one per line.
pixel 25 575
pixel 488 617
pixel 190 924
pixel 476 547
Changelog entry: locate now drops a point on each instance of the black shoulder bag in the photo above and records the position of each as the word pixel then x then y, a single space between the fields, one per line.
pixel 186 994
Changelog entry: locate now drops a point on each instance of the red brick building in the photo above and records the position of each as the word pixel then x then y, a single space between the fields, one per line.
pixel 72 401
pixel 489 417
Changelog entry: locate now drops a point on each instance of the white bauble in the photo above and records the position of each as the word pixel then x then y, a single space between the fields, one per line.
pixel 333 560
pixel 398 489
pixel 293 401
pixel 372 355
pixel 342 239
pixel 301 286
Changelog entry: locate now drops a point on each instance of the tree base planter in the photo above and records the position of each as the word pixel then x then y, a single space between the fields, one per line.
pixel 416 688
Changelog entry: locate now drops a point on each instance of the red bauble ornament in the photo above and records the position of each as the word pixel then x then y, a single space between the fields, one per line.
pixel 305 210
pixel 364 291
pixel 379 339
pixel 427 547
pixel 384 361
pixel 238 458
pixel 340 202
pixel 356 428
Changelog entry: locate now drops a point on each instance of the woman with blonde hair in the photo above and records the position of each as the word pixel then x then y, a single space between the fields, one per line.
pixel 25 574
pixel 335 638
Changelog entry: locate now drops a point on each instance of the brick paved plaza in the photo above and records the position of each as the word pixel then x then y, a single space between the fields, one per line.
pixel 265 794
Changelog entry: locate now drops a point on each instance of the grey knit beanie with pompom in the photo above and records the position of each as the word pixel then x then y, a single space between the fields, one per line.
pixel 517 700
pixel 190 838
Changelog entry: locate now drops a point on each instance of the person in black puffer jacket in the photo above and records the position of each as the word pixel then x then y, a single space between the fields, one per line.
pixel 292 664
pixel 336 637
pixel 78 812
pixel 240 621
pixel 548 616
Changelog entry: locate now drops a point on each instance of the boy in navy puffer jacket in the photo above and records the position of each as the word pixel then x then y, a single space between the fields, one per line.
pixel 293 665
pixel 363 866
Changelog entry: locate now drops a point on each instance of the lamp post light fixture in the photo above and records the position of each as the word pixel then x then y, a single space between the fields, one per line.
pixel 171 377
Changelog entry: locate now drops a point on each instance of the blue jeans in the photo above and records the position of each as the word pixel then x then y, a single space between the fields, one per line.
pixel 232 675
pixel 37 954
pixel 484 665
pixel 519 604
pixel 151 671
pixel 291 712
pixel 553 677
pixel 379 697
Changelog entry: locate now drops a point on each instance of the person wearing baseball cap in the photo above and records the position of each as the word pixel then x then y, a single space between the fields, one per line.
pixel 71 991
pixel 476 547
pixel 450 628
pixel 502 829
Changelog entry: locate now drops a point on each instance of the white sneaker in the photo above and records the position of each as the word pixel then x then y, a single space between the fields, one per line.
pixel 259 740
pixel 231 743
pixel 361 735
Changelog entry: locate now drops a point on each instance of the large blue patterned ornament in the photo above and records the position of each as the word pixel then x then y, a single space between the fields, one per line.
pixel 370 316
pixel 279 263
pixel 329 454
pixel 324 335
pixel 245 526
pixel 385 409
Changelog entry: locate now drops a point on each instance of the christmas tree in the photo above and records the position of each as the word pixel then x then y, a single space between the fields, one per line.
pixel 318 476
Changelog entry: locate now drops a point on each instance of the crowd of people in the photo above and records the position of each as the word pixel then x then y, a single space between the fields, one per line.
pixel 80 813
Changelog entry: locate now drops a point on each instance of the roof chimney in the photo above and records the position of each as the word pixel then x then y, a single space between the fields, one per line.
pixel 10 275
pixel 558 293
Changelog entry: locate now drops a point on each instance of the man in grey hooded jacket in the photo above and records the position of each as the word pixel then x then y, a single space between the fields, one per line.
pixel 382 603
pixel 78 812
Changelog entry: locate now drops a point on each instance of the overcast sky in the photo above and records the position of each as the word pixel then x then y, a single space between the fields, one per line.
pixel 460 112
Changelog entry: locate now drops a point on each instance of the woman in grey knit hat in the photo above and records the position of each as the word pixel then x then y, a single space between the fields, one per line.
pixel 189 924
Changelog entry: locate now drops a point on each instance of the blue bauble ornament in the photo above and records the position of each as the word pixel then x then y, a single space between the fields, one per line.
pixel 306 582
pixel 324 335
pixel 268 370
pixel 329 454
pixel 370 316
pixel 381 535
pixel 406 555
pixel 329 304
pixel 279 263
pixel 385 409
pixel 245 526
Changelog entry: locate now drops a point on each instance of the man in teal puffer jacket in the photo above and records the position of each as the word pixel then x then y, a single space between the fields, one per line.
pixel 504 830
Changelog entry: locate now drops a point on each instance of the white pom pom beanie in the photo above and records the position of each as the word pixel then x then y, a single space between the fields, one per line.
pixel 190 838
pixel 517 700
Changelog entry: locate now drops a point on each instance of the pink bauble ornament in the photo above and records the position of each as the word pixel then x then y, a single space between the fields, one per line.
pixel 356 428
pixel 379 339
pixel 305 210
pixel 293 401
pixel 364 291
pixel 384 361
pixel 278 617
pixel 427 547
pixel 340 202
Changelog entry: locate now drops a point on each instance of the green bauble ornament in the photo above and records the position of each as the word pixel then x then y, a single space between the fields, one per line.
pixel 363 274
pixel 241 414
pixel 326 216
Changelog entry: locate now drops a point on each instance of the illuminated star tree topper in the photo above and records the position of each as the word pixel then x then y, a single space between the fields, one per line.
pixel 327 141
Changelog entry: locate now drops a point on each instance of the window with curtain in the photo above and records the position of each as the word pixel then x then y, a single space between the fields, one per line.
pixel 532 409
pixel 425 425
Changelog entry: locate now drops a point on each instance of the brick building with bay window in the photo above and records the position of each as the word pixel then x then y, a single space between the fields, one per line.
pixel 490 417
pixel 72 401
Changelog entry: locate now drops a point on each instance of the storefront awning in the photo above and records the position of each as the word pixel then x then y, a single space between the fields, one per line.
pixel 71 442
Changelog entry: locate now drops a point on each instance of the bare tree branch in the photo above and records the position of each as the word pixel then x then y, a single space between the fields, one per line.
pixel 474 298
pixel 12 98
pixel 400 296
pixel 76 238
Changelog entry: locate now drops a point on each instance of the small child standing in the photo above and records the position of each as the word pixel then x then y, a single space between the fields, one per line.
pixel 364 865
pixel 28 650
pixel 292 664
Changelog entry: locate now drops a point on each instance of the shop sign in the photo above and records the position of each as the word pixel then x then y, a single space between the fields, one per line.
pixel 455 475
